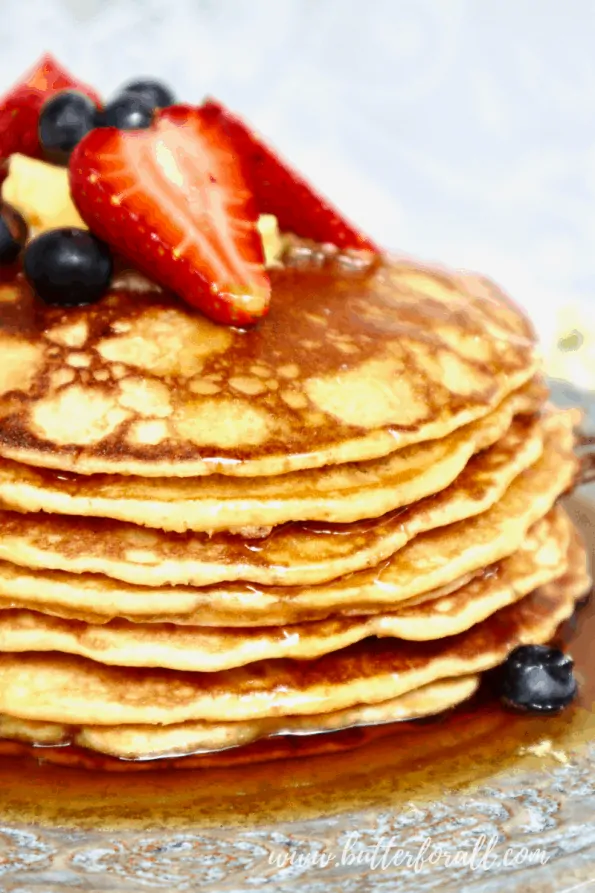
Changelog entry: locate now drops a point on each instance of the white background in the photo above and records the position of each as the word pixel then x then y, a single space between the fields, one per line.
pixel 458 130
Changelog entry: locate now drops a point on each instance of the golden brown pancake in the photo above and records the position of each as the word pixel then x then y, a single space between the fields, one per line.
pixel 573 584
pixel 76 691
pixel 149 742
pixel 291 555
pixel 282 747
pixel 340 493
pixel 351 364
pixel 80 597
pixel 541 558
pixel 431 560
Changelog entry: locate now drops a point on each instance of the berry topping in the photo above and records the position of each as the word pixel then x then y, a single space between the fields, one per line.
pixel 175 201
pixel 155 94
pixel 64 121
pixel 538 679
pixel 281 191
pixel 20 109
pixel 13 234
pixel 68 267
pixel 128 112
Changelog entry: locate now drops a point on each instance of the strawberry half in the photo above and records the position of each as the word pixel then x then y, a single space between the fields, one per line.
pixel 20 108
pixel 280 190
pixel 174 200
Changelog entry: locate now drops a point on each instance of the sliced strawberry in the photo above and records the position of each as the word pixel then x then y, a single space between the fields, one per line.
pixel 20 108
pixel 174 200
pixel 280 190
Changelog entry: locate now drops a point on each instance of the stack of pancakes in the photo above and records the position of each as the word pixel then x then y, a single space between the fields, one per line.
pixel 210 536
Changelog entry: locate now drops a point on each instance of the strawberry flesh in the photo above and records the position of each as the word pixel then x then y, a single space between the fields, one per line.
pixel 174 199
pixel 20 108
pixel 281 191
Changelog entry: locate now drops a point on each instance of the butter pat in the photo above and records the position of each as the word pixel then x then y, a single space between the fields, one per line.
pixel 41 193
pixel 271 239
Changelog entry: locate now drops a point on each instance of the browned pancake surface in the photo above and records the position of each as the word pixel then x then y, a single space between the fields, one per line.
pixel 349 365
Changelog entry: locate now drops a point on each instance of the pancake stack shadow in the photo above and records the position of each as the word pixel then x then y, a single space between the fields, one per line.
pixel 210 537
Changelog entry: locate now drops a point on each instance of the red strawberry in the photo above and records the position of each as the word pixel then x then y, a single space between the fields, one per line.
pixel 19 114
pixel 174 200
pixel 281 191
pixel 48 77
pixel 20 108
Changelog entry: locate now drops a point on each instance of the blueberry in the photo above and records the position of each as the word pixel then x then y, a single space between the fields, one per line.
pixel 13 234
pixel 538 679
pixel 64 121
pixel 128 112
pixel 68 266
pixel 157 95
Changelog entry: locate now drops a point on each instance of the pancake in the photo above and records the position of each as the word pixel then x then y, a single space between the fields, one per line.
pixel 78 596
pixel 541 558
pixel 431 560
pixel 292 554
pixel 150 742
pixel 76 691
pixel 279 747
pixel 354 361
pixel 339 494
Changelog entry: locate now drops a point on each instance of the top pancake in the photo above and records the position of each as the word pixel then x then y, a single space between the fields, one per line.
pixel 351 364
